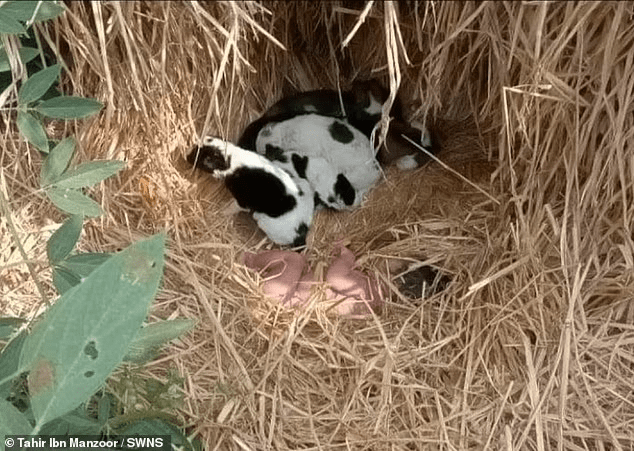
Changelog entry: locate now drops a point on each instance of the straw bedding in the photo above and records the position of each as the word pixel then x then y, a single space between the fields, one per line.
pixel 530 211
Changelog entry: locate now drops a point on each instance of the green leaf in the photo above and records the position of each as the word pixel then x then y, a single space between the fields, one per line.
pixel 84 264
pixel 10 357
pixel 10 364
pixel 23 10
pixel 74 202
pixel 80 340
pixel 8 25
pixel 151 337
pixel 37 84
pixel 69 107
pixel 49 10
pixel 77 422
pixel 32 130
pixel 70 271
pixel 88 174
pixel 64 280
pixel 9 326
pixel 26 55
pixel 57 161
pixel 12 421
pixel 64 239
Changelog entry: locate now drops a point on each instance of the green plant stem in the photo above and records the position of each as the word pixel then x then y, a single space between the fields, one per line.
pixel 4 205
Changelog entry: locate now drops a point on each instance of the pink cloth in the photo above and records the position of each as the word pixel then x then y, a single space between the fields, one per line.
pixel 289 280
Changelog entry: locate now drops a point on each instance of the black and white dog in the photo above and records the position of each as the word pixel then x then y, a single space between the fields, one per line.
pixel 282 204
pixel 310 150
pixel 360 107
pixel 336 159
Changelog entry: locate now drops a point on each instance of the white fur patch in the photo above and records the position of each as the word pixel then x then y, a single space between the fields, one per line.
pixel 375 106
pixel 425 136
pixel 309 136
pixel 407 162
pixel 322 177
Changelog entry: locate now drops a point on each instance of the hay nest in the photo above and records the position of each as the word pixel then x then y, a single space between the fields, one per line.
pixel 531 346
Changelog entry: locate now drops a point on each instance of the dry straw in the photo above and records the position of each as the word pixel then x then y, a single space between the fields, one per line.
pixel 532 344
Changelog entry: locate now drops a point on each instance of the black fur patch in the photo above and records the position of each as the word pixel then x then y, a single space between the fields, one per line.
pixel 260 191
pixel 250 134
pixel 302 233
pixel 365 124
pixel 300 164
pixel 275 153
pixel 208 159
pixel 344 189
pixel 318 201
pixel 421 282
pixel 322 101
pixel 340 132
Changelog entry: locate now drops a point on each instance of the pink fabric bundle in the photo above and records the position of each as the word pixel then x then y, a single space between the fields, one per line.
pixel 289 280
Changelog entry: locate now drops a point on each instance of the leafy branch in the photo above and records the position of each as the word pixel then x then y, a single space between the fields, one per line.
pixel 97 322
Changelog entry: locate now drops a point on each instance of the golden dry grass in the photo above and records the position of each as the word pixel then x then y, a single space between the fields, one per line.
pixel 530 347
